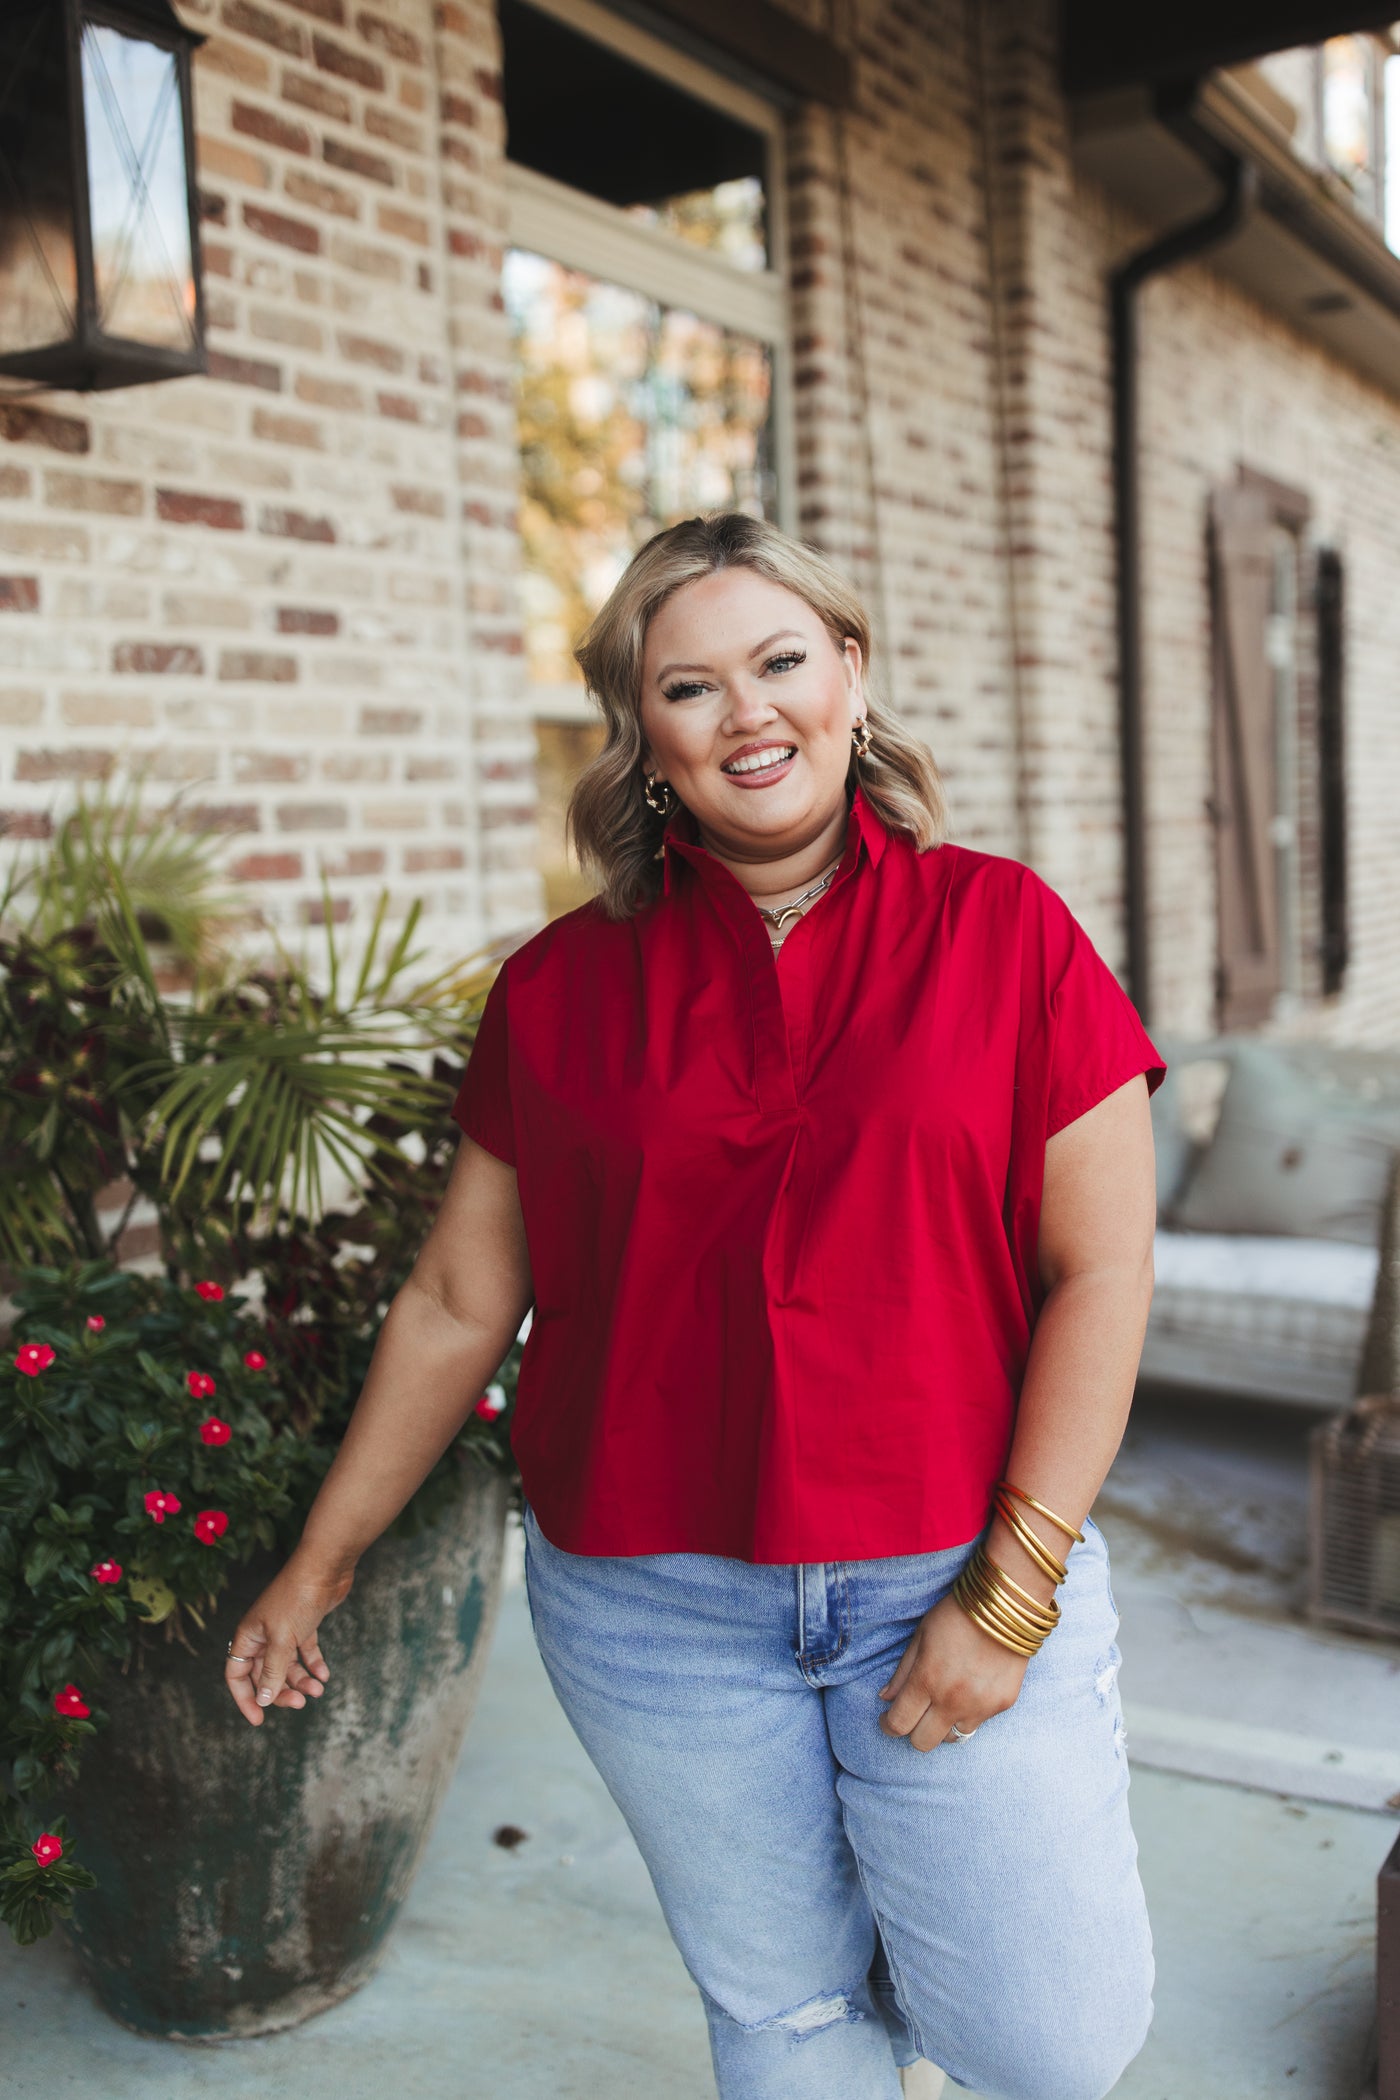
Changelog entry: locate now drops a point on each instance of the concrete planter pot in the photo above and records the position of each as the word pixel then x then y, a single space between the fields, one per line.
pixel 249 1877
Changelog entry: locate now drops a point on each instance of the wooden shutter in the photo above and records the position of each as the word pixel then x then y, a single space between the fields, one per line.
pixel 1331 767
pixel 1246 787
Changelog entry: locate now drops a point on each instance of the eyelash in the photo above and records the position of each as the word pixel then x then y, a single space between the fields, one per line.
pixel 689 685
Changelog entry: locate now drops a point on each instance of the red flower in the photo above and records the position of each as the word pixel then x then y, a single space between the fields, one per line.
pixel 159 1505
pixel 212 1291
pixel 47 1848
pixel 106 1571
pixel 33 1358
pixel 69 1703
pixel 214 1431
pixel 255 1360
pixel 96 1323
pixel 200 1384
pixel 491 1403
pixel 209 1525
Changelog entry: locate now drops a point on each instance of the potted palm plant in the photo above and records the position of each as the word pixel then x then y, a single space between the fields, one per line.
pixel 219 1165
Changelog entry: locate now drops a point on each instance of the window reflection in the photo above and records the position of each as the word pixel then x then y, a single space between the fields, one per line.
pixel 137 184
pixel 631 416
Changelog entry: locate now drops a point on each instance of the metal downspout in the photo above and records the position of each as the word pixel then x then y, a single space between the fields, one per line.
pixel 1183 242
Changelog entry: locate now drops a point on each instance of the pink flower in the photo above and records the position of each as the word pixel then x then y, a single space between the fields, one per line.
pixel 159 1505
pixel 69 1703
pixel 209 1525
pixel 106 1571
pixel 47 1848
pixel 214 1431
pixel 255 1360
pixel 200 1384
pixel 491 1403
pixel 33 1358
pixel 96 1323
pixel 212 1291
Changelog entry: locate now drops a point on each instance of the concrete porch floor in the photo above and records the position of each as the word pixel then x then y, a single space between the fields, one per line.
pixel 545 1971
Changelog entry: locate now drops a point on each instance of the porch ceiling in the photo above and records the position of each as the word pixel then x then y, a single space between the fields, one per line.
pixel 1104 44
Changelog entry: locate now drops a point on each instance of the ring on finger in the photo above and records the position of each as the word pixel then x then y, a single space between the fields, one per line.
pixel 960 1735
pixel 238 1658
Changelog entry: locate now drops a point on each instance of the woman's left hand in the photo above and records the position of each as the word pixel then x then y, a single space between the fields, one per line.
pixel 950 1671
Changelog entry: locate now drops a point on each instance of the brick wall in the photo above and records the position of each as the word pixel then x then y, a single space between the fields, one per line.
pixel 287 587
pixel 291 586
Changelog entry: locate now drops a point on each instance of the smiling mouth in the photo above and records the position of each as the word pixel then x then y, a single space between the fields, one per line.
pixel 761 761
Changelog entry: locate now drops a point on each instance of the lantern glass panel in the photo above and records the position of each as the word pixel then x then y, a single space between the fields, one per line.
pixel 38 260
pixel 138 187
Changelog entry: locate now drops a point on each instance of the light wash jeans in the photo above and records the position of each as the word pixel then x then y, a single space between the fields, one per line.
pixel 846 1903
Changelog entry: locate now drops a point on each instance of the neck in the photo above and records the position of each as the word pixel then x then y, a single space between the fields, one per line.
pixel 770 873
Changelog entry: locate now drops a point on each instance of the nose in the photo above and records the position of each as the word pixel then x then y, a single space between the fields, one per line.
pixel 750 707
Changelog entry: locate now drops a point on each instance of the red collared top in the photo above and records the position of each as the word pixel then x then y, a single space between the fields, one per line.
pixel 782 1211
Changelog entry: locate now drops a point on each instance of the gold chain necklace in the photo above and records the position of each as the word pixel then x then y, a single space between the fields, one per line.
pixel 776 914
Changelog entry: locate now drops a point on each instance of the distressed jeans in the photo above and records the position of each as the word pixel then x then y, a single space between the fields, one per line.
pixel 845 1903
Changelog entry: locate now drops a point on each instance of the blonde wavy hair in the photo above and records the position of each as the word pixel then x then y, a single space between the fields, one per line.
pixel 613 831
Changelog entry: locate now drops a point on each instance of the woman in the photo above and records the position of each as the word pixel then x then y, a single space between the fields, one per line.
pixel 821 1147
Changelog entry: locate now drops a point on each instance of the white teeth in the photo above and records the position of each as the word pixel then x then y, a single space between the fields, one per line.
pixel 760 761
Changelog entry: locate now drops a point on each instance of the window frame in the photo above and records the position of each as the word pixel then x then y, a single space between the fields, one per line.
pixel 550 218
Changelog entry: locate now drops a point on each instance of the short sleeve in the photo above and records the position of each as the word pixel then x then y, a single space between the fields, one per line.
pixel 1096 1040
pixel 483 1106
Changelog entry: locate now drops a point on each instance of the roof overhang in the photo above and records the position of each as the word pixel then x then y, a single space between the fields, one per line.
pixel 1305 251
pixel 1105 44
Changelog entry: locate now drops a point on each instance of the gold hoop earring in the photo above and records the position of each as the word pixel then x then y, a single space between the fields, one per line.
pixel 665 806
pixel 860 737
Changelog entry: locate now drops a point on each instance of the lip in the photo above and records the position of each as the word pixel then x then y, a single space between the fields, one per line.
pixel 769 773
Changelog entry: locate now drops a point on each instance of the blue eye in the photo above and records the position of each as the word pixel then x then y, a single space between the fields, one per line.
pixel 687 686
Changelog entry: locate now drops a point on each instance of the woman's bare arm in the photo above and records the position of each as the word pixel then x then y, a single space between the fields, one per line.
pixel 1098 1217
pixel 447 1330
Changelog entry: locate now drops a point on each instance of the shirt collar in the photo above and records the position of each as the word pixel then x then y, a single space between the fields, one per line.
pixel 681 839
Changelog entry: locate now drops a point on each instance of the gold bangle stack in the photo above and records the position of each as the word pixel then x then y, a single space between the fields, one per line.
pixel 997 1603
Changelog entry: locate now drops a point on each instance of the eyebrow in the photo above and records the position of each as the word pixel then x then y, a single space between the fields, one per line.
pixel 757 650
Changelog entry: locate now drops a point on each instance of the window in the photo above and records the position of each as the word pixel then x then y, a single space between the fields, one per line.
pixel 1279 801
pixel 647 307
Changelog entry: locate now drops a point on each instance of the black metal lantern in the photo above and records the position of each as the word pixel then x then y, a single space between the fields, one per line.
pixel 99 233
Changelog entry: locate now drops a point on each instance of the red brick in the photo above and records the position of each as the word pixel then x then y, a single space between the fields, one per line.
pixel 455 109
pixel 390 721
pixel 25 824
pixel 285 524
pixel 16 481
pixel 264 664
pixel 423 503
pixel 19 594
pixel 488 82
pixel 313 911
pixel 222 816
pixel 246 371
pixel 334 58
pixel 364 350
pixel 288 430
pixel 305 619
pixel 303 188
pixel 312 816
pixel 332 11
pixel 276 226
pixel 428 860
pixel 354 161
pixel 72 764
pixel 309 93
pixel 403 225
pixel 267 867
pixel 330 393
pixel 385 124
pixel 273 130
pixel 389 38
pixel 37 426
pixel 217 259
pixel 177 658
pixel 266 27
pixel 400 406
pixel 179 507
pixel 356 860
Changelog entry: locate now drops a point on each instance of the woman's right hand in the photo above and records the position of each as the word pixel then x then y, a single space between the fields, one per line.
pixel 277 1660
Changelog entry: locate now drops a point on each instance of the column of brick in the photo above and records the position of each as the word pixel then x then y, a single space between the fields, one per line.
pixel 471 130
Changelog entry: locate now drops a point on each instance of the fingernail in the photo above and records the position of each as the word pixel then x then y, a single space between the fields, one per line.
pixel 264 1698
